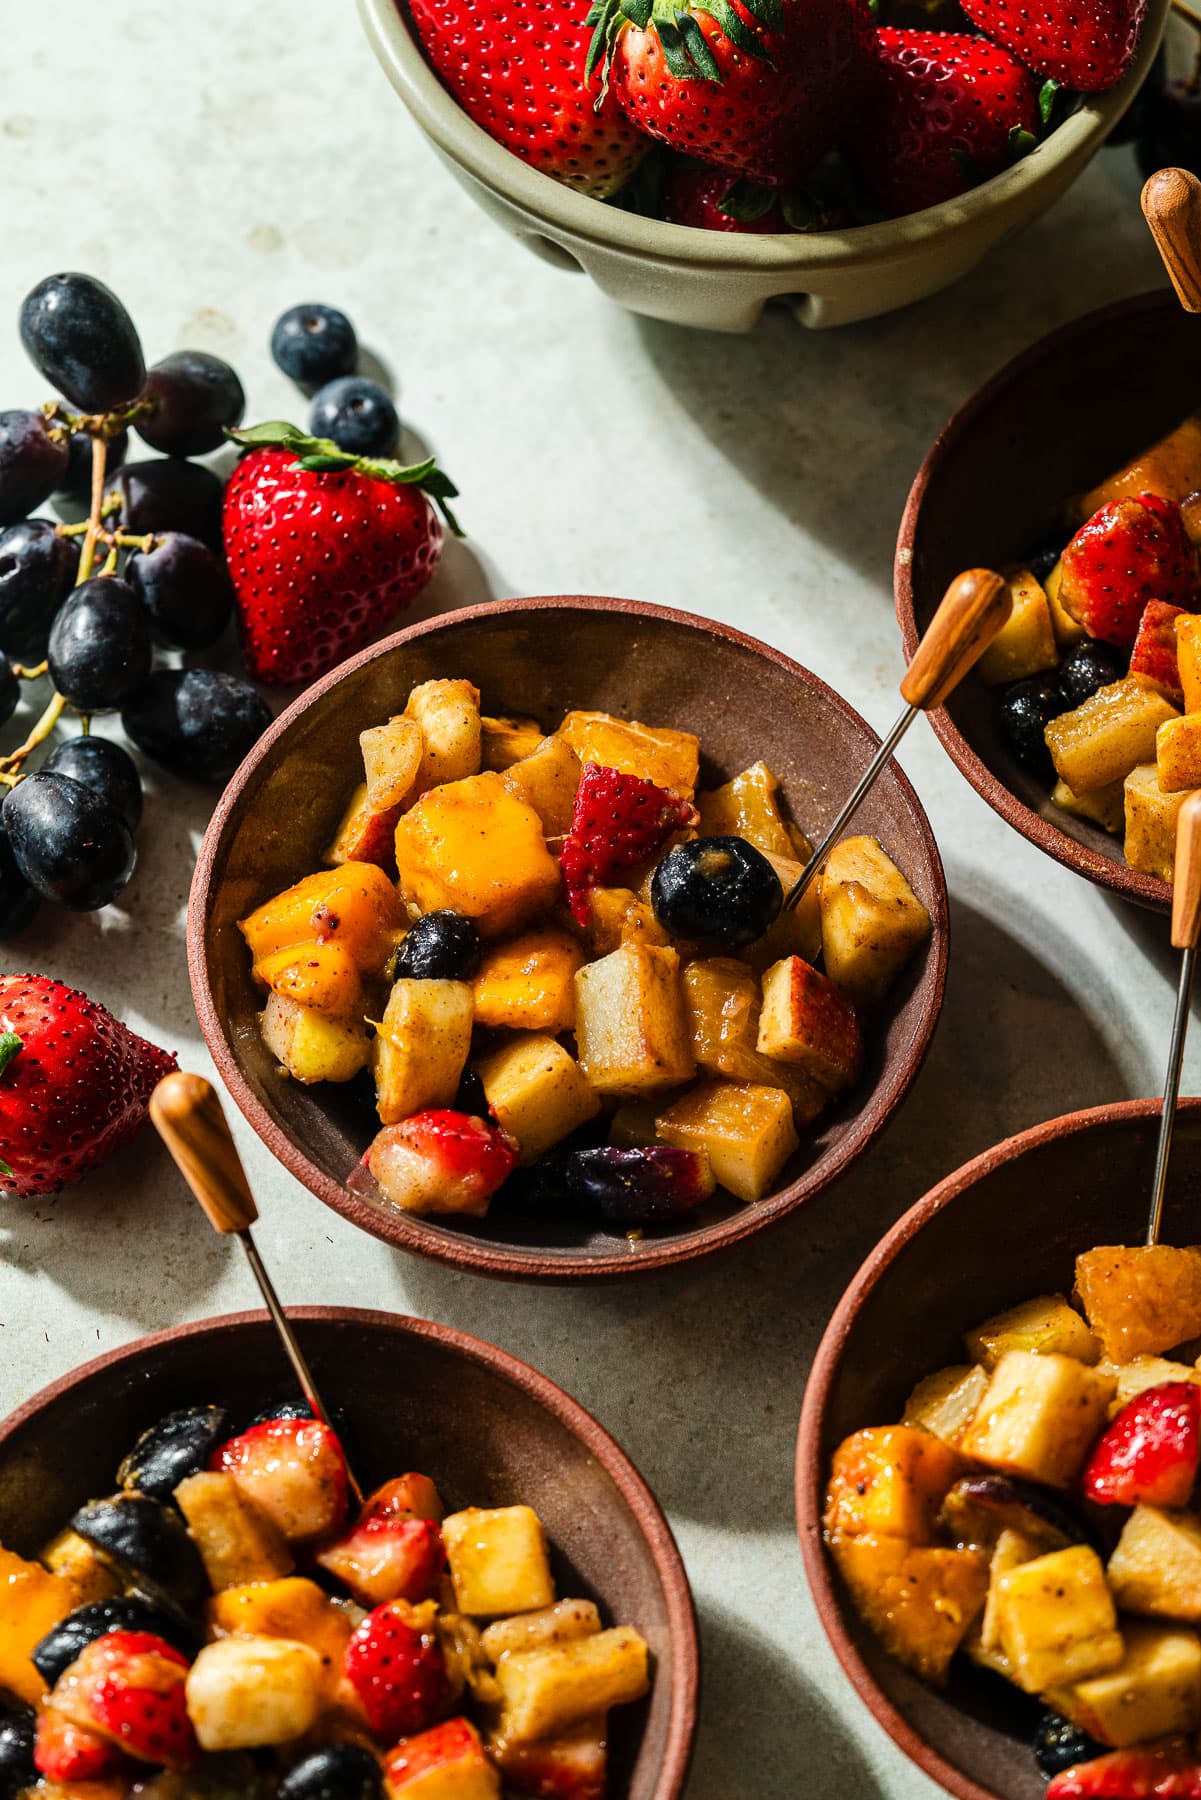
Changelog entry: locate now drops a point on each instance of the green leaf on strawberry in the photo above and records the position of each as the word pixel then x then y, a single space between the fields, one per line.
pixel 1021 143
pixel 747 200
pixel 10 1043
pixel 1048 94
pixel 322 456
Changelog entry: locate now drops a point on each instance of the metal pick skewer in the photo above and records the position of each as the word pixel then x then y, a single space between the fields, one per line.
pixel 188 1117
pixel 1186 931
pixel 1172 208
pixel 974 608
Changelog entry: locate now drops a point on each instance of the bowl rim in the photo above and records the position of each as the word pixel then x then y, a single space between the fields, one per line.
pixel 512 1262
pixel 648 1514
pixel 498 169
pixel 1118 877
pixel 809 1473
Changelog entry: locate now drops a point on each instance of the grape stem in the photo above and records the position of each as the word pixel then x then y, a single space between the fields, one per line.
pixel 26 674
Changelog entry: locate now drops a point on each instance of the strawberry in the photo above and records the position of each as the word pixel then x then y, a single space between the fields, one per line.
pixel 618 820
pixel 517 68
pixel 442 1161
pixel 946 111
pixel 394 1663
pixel 761 87
pixel 698 196
pixel 1148 1456
pixel 66 1752
pixel 1084 44
pixel 294 1471
pixel 74 1084
pixel 1130 551
pixel 1154 654
pixel 324 548
pixel 1167 1771
pixel 128 1687
pixel 390 1553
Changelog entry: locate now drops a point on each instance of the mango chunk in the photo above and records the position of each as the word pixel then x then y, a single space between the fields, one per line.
pixel 723 1000
pixel 354 906
pixel 889 1481
pixel 1140 1300
pixel 1171 467
pixel 528 984
pixel 474 847
pixel 506 741
pixel 31 1601
pixel 1188 660
pixel 1178 754
pixel 617 916
pixel 920 1601
pixel 660 754
pixel 748 807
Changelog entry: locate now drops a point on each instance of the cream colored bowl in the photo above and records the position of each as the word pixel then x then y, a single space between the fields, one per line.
pixel 720 281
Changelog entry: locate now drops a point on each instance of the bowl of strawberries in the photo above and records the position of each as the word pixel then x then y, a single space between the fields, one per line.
pixel 699 160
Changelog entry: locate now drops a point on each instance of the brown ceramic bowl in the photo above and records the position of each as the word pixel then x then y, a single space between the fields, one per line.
pixel 487 1428
pixel 1052 424
pixel 543 657
pixel 1003 1228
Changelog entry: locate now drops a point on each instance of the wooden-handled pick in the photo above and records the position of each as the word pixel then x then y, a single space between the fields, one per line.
pixel 1186 932
pixel 188 1117
pixel 973 610
pixel 1172 208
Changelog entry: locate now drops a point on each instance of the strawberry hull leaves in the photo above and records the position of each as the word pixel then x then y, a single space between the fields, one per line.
pixel 323 455
pixel 685 50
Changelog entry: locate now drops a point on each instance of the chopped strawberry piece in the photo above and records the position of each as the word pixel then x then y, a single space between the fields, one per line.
pixel 1148 1456
pixel 387 1556
pixel 442 1161
pixel 1154 654
pixel 452 1751
pixel 294 1471
pixel 1130 552
pixel 67 1752
pixel 1168 1771
pixel 128 1687
pixel 618 820
pixel 394 1663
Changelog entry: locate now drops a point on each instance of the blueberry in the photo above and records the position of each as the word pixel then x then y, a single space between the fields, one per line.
pixel 1091 665
pixel 68 844
pixel 1027 709
pixel 148 1544
pixel 32 464
pixel 185 590
pixel 106 768
pixel 10 691
pixel 171 495
pixel 18 1729
pixel 196 722
pixel 1058 1744
pixel 716 890
pixel 441 946
pixel 653 1184
pixel 37 570
pixel 334 1772
pixel 18 905
pixel 1046 556
pixel 100 649
pixel 196 397
pixel 314 343
pixel 357 415
pixel 80 337
pixel 77 483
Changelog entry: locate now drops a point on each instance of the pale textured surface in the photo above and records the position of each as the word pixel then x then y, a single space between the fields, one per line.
pixel 266 161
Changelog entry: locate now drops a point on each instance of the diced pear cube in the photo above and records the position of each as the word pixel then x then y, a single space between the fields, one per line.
pixel 1010 1552
pixel 1178 754
pixel 1057 1621
pixel 497 1560
pixel 365 835
pixel 1156 1567
pixel 31 1601
pixel 1105 806
pixel 421 1047
pixel 448 1762
pixel 1154 1692
pixel 1112 733
pixel 561 1623
pixel 631 1027
pixel 747 1131
pixel 548 1691
pixel 1025 644
pixel 806 1019
pixel 1040 1417
pixel 547 779
pixel 617 916
pixel 1151 817
pixel 872 921
pixel 1048 1325
pixel 237 1542
pixel 1144 1372
pixel 660 754
pixel 1068 631
pixel 311 1045
pixel 1171 467
pixel 506 741
pixel 474 847
pixel 1188 659
pixel 391 760
pixel 448 714
pixel 538 1092
pixel 947 1402
pixel 245 1692
pixel 921 1601
pixel 528 984
pixel 792 933
pixel 724 1001
pixel 889 1480
pixel 1140 1299
pixel 748 807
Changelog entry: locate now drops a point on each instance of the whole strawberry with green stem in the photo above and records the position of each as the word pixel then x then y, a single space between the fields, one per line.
pixel 759 87
pixel 325 548
pixel 516 67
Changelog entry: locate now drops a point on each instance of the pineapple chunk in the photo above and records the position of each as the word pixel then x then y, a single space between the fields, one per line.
pixel 1056 1620
pixel 1156 1567
pixel 1140 1300
pixel 1172 467
pixel 1145 1372
pixel 1068 631
pixel 322 978
pixel 73 1558
pixel 1113 732
pixel 506 741
pixel 807 1020
pixel 795 933
pixel 1105 806
pixel 528 984
pixel 1188 660
pixel 448 714
pixel 421 1047
pixel 748 807
pixel 310 1045
pixel 245 1692
pixel 872 921
pixel 537 1092
pixel 746 1130
pixel 1040 1417
pixel 354 906
pixel 723 1000
pixel 31 1601
pixel 670 758
pixel 920 1601
pixel 447 1762
pixel 497 1561
pixel 1178 755
pixel 888 1481
pixel 617 916
pixel 544 1692
pixel 547 780
pixel 631 1028
pixel 1151 817
pixel 391 760
pixel 1025 644
pixel 947 1402
pixel 1010 1552
pixel 294 1608
pixel 1154 1692
pixel 1048 1325
pixel 365 835
pixel 236 1540
pixel 475 847
pixel 558 1624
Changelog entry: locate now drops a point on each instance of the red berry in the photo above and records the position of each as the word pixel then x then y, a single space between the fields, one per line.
pixel 294 1470
pixel 67 1752
pixel 395 1665
pixel 1130 552
pixel 619 820
pixel 1086 44
pixel 442 1161
pixel 1148 1456
pixel 1168 1771
pixel 1154 654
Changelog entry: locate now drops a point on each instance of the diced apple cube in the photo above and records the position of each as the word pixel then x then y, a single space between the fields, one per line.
pixel 538 1093
pixel 561 1623
pixel 547 779
pixel 448 714
pixel 528 984
pixel 724 999
pixel 236 1540
pixel 889 1481
pixel 746 1130
pixel 31 1601
pixel 1151 817
pixel 506 741
pixel 947 1402
pixel 497 1560
pixel 1178 754
pixel 617 916
pixel 1154 654
pixel 1057 1621
pixel 659 754
pixel 921 1601
pixel 748 807
pixel 1112 733
pixel 421 1047
pixel 474 847
pixel 247 1692
pixel 547 1691
pixel 1025 644
pixel 1105 806
pixel 1188 660
pixel 446 1763
pixel 1068 631
pixel 872 921
pixel 1040 1417
pixel 1154 1692
pixel 365 835
pixel 1140 1300
pixel 1048 1325
pixel 391 760
pixel 311 1045
pixel 1156 1567
pixel 571 1766
pixel 806 1019
pixel 631 1027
